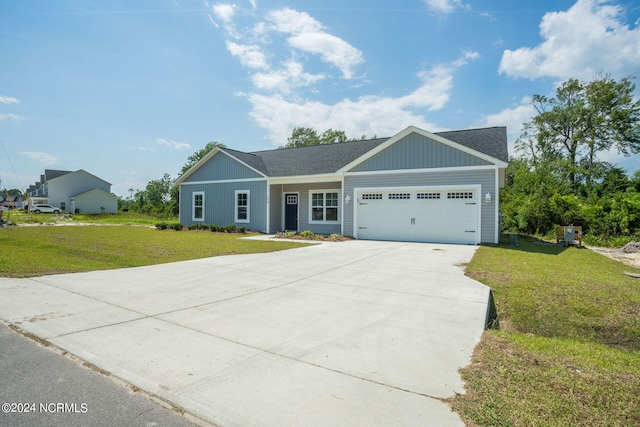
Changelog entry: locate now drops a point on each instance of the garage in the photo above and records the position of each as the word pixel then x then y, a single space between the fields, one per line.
pixel 439 215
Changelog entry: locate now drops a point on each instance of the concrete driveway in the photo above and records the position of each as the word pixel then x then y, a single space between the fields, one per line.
pixel 349 333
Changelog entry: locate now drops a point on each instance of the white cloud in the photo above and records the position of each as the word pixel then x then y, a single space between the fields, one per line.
pixel 512 118
pixel 12 117
pixel 46 159
pixel 308 35
pixel 8 100
pixel 172 144
pixel 587 39
pixel 224 12
pixel 278 109
pixel 146 149
pixel 250 55
pixel 443 6
pixel 370 115
pixel 290 76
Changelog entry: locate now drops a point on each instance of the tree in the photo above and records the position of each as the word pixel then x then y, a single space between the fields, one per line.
pixel 195 157
pixel 158 190
pixel 581 121
pixel 305 136
pixel 302 137
pixel 331 136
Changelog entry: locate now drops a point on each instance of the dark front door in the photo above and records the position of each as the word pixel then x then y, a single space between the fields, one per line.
pixel 291 212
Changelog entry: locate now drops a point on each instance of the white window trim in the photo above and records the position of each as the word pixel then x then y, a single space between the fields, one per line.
pixel 247 192
pixel 324 191
pixel 193 205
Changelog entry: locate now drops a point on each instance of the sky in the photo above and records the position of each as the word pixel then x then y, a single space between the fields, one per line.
pixel 128 89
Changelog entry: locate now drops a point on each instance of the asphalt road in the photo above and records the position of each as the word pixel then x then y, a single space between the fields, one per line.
pixel 42 387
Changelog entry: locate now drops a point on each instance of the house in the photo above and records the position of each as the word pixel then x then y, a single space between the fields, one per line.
pixel 74 192
pixel 415 186
pixel 10 202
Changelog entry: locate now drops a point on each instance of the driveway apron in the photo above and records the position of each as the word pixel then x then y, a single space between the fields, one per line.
pixel 346 333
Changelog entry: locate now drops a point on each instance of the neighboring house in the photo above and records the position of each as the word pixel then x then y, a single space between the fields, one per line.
pixel 10 202
pixel 414 186
pixel 79 192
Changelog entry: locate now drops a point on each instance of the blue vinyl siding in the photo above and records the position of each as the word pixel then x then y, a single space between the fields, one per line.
pixel 220 204
pixel 222 167
pixel 418 152
pixel 275 208
pixel 485 178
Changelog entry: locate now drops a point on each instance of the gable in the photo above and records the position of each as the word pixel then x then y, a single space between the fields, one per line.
pixel 76 182
pixel 417 151
pixel 94 193
pixel 221 167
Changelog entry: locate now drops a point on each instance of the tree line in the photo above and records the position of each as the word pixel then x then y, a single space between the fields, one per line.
pixel 558 176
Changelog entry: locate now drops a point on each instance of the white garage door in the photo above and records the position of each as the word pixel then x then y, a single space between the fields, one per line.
pixel 443 216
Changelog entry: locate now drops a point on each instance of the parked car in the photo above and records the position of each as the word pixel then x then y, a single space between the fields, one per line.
pixel 44 209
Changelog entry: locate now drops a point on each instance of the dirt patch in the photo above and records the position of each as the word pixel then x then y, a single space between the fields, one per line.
pixel 630 259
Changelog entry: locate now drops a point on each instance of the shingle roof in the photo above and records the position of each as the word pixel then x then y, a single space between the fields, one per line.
pixel 50 174
pixel 314 159
pixel 491 141
pixel 329 158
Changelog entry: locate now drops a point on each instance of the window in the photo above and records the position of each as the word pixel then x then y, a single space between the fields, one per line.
pixel 324 206
pixel 460 195
pixel 198 206
pixel 372 196
pixel 396 196
pixel 428 196
pixel 242 206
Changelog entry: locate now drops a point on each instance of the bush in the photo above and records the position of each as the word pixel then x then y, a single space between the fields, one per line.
pixel 176 226
pixel 162 225
pixel 307 234
pixel 335 237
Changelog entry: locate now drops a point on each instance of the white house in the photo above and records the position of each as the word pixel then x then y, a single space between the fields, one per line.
pixel 74 192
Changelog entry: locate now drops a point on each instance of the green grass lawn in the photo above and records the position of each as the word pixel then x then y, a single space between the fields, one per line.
pixel 567 351
pixel 40 250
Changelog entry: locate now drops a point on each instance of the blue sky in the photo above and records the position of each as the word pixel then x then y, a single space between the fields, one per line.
pixel 127 90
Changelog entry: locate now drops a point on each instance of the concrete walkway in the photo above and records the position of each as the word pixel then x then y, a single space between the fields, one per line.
pixel 349 333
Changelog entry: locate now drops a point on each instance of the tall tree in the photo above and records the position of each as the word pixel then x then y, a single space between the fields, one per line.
pixel 195 157
pixel 583 120
pixel 158 190
pixel 305 136
pixel 302 137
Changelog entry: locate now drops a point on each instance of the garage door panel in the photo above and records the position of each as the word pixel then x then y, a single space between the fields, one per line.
pixel 445 216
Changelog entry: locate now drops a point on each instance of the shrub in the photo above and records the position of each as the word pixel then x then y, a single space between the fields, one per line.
pixel 231 228
pixel 242 229
pixel 176 226
pixel 307 234
pixel 162 225
pixel 335 237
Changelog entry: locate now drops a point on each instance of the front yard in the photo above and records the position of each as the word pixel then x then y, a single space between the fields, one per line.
pixel 567 351
pixel 29 251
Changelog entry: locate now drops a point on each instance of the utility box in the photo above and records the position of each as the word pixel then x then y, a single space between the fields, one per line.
pixel 569 235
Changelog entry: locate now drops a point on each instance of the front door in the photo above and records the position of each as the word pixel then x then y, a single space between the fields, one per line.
pixel 291 212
